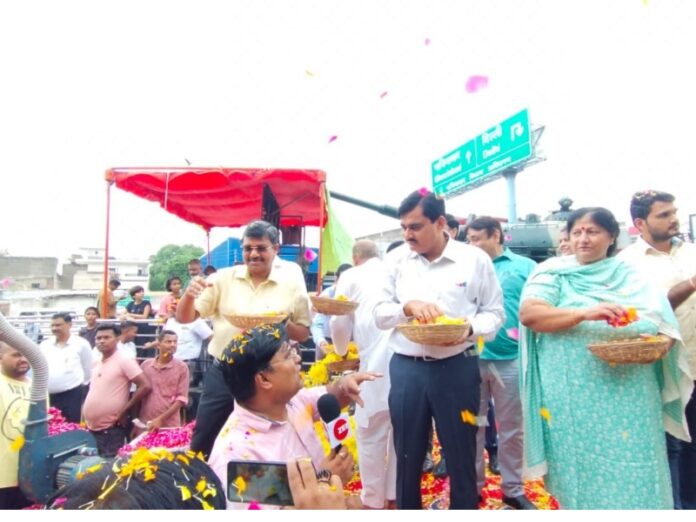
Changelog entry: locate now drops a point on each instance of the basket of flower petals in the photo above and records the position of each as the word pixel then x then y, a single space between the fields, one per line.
pixel 343 366
pixel 253 320
pixel 444 331
pixel 641 350
pixel 340 305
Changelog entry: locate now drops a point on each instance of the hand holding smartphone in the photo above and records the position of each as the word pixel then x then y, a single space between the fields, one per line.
pixel 262 482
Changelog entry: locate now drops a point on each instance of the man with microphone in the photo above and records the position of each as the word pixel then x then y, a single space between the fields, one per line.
pixel 273 417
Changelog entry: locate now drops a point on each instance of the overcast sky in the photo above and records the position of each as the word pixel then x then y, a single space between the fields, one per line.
pixel 91 85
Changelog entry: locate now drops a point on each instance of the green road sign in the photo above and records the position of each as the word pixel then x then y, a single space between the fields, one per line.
pixel 491 152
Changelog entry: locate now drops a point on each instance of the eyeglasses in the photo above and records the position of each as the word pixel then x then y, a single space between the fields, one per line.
pixel 287 351
pixel 260 249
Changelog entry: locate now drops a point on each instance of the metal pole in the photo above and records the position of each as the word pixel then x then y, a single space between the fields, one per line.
pixel 509 176
pixel 105 284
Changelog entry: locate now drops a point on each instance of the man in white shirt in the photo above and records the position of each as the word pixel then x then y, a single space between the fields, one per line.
pixel 361 284
pixel 69 367
pixel 671 264
pixel 432 276
pixel 126 341
pixel 320 329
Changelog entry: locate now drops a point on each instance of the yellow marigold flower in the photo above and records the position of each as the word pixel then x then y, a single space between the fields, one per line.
pixel 240 484
pixel 318 374
pixel 469 418
pixel 445 319
pixel 341 297
pixel 546 414
pixel 17 444
pixel 201 485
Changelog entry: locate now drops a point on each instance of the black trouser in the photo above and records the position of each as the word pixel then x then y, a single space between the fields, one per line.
pixel 110 440
pixel 13 498
pixel 69 403
pixel 687 459
pixel 420 391
pixel 216 404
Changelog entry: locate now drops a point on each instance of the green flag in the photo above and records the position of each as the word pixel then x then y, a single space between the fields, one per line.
pixel 336 243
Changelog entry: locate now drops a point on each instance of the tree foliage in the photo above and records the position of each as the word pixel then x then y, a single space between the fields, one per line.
pixel 171 260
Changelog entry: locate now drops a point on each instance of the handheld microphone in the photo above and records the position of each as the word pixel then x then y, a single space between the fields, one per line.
pixel 335 422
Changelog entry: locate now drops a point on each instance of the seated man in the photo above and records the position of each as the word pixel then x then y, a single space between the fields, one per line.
pixel 273 417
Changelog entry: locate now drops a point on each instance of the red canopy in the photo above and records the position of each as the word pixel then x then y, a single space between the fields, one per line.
pixel 220 197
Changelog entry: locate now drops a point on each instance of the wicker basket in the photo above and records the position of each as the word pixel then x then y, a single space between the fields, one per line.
pixel 328 306
pixel 632 351
pixel 251 321
pixel 434 334
pixel 342 366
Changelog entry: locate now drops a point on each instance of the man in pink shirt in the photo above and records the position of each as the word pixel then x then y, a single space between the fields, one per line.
pixel 273 417
pixel 169 378
pixel 107 404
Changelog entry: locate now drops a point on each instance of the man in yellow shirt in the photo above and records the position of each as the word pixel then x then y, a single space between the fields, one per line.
pixel 14 407
pixel 265 283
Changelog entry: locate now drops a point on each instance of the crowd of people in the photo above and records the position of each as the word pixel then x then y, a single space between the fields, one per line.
pixel 604 436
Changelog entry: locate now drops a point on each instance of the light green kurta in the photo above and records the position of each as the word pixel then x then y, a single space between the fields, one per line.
pixel 604 445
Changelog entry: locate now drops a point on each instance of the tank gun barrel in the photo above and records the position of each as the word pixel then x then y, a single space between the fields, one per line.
pixel 385 210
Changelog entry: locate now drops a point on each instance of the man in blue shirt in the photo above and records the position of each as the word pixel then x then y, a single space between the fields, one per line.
pixel 498 363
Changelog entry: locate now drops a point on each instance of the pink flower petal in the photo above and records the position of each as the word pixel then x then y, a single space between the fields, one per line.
pixel 427 41
pixel 513 333
pixel 476 83
pixel 332 139
pixel 253 505
pixel 423 191
pixel 383 94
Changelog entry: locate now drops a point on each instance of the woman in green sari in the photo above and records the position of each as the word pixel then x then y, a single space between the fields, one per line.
pixel 597 430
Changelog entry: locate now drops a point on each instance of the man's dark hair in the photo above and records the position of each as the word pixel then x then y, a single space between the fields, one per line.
pixel 642 201
pixel 452 222
pixel 161 490
pixel 395 244
pixel 488 224
pixel 247 354
pixel 433 207
pixel 135 290
pixel 65 316
pixel 194 261
pixel 164 333
pixel 109 326
pixel 342 268
pixel 262 229
pixel 93 309
pixel 128 324
pixel 210 269
pixel 168 284
pixel 601 217
pixel 115 282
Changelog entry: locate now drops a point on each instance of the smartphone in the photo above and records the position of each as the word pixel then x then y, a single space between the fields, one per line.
pixel 263 482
